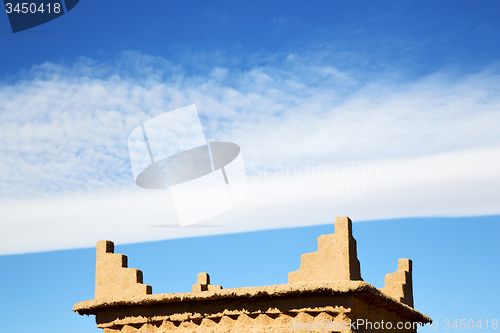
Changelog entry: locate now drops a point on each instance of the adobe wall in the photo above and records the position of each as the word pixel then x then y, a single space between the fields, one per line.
pixel 327 299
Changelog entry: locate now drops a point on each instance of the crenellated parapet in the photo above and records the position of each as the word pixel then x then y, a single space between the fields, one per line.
pixel 326 294
pixel 113 279
pixel 336 257
pixel 399 284
pixel 203 284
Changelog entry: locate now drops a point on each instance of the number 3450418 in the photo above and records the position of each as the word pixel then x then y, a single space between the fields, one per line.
pixel 25 8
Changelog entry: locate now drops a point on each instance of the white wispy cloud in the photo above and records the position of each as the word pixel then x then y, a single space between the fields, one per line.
pixel 66 172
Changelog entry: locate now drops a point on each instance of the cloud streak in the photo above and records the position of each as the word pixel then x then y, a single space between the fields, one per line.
pixel 64 155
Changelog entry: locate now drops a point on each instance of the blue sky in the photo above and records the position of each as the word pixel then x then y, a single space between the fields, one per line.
pixel 398 101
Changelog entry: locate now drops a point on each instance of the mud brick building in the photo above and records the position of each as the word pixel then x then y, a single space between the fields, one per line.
pixel 326 294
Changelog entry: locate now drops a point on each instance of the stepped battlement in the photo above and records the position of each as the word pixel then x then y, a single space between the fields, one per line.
pixel 326 294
